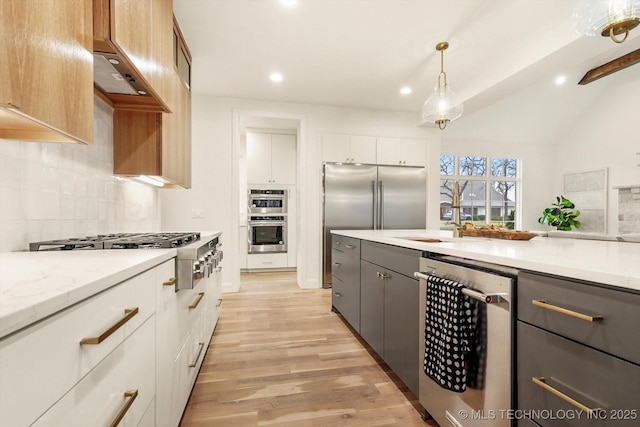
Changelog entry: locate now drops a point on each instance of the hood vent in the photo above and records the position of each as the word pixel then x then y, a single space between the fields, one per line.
pixel 112 76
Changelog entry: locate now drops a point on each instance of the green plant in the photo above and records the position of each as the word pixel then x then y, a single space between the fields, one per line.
pixel 561 216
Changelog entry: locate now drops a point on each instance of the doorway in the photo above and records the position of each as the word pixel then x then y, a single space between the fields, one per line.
pixel 267 158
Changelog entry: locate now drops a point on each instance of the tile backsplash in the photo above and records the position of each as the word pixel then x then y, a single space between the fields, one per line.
pixel 51 190
pixel 629 209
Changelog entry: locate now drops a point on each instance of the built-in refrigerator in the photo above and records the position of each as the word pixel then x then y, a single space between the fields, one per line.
pixel 369 197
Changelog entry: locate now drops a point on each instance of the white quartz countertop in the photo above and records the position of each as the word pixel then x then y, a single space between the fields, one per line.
pixel 612 263
pixel 34 285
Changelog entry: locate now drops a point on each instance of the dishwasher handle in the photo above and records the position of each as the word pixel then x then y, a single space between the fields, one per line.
pixel 490 298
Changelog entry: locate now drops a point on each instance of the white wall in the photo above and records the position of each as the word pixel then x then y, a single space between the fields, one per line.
pixel 215 171
pixel 53 191
pixel 607 136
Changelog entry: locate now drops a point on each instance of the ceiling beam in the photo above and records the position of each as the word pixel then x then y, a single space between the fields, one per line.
pixel 611 67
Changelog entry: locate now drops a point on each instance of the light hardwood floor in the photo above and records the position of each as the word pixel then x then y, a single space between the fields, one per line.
pixel 280 357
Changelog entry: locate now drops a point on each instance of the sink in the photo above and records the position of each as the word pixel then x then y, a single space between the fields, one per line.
pixel 423 239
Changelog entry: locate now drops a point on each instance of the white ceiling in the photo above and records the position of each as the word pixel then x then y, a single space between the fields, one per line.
pixel 359 53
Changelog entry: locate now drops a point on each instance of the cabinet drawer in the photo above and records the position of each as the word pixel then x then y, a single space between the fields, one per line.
pixel 257 261
pixel 344 265
pixel 589 376
pixel 616 333
pixel 52 350
pixel 98 398
pixel 190 304
pixel 348 245
pixel 345 297
pixel 401 260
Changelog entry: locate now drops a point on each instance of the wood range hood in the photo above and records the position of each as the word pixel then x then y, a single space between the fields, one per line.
pixel 117 80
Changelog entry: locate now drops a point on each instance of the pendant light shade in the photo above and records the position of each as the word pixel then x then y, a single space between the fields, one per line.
pixel 443 106
pixel 607 18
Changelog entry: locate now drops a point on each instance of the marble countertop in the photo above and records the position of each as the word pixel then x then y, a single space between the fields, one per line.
pixel 612 263
pixel 34 285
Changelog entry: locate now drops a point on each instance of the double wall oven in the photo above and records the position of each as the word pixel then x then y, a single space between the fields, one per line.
pixel 267 221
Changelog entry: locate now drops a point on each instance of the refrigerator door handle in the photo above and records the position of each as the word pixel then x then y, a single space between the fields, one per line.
pixel 381 205
pixel 374 187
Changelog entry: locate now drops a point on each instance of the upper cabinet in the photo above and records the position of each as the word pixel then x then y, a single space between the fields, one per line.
pixel 349 148
pixel 132 40
pixel 271 158
pixel 46 89
pixel 397 151
pixel 158 145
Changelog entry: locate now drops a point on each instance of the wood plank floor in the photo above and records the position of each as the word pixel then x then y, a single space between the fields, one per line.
pixel 280 357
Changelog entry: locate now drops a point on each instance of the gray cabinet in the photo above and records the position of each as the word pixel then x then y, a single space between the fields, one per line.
pixel 577 345
pixel 345 271
pixel 372 306
pixel 389 307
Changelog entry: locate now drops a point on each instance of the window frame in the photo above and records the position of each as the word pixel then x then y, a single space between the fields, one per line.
pixel 488 179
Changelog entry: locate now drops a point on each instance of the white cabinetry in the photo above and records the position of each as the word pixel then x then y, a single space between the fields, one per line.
pixel 271 158
pixel 46 361
pixel 186 320
pixel 349 148
pixel 397 151
pixel 264 261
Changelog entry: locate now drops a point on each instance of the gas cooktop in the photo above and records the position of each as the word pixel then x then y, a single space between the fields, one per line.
pixel 119 241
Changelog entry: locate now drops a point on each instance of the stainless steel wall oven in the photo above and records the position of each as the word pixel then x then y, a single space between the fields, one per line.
pixel 267 201
pixel 267 233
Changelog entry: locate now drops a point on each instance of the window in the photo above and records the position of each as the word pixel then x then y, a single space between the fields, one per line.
pixel 488 189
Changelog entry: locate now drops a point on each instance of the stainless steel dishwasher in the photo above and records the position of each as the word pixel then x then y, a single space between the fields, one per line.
pixel 491 404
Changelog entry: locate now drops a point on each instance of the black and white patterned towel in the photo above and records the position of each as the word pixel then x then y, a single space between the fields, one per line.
pixel 452 339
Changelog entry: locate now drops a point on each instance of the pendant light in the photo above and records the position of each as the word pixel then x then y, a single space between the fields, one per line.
pixel 443 105
pixel 608 18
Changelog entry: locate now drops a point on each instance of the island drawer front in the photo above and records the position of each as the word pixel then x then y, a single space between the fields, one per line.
pixel 98 397
pixel 616 333
pixel 347 245
pixel 344 266
pixel 51 348
pixel 345 297
pixel 401 260
pixel 591 377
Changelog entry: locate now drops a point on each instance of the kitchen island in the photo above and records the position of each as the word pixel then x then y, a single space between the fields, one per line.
pixel 569 309
pixel 610 263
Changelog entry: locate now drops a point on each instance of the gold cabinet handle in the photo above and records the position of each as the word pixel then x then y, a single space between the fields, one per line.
pixel 197 301
pixel 195 361
pixel 128 315
pixel 541 381
pixel 170 282
pixel 542 304
pixel 130 395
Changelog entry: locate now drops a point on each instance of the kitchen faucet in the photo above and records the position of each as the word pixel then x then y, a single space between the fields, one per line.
pixel 455 207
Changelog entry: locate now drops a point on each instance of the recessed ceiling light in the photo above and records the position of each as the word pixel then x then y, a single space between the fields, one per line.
pixel 560 80
pixel 288 3
pixel 405 90
pixel 276 77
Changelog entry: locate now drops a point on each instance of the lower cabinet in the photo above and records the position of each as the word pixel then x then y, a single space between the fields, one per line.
pixel 132 351
pixel 267 261
pixel 372 306
pixel 577 353
pixel 186 320
pixel 83 359
pixel 345 272
pixel 121 387
pixel 389 304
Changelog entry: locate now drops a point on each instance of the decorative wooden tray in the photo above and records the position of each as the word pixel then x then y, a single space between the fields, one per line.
pixel 499 234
